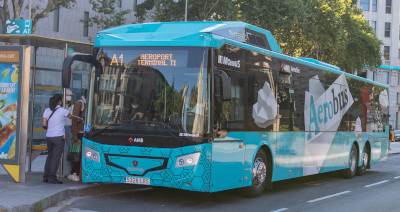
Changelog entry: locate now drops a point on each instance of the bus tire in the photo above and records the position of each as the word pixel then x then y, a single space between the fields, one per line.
pixel 259 176
pixel 353 163
pixel 365 160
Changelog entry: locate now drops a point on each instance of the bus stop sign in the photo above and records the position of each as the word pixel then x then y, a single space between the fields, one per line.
pixel 18 26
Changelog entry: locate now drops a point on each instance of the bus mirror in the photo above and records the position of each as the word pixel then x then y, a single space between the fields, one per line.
pixel 225 86
pixel 66 69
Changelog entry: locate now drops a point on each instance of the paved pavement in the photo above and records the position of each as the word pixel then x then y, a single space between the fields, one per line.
pixel 35 195
pixel 377 190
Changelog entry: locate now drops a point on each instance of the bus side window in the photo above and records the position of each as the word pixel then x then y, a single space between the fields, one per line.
pixel 229 115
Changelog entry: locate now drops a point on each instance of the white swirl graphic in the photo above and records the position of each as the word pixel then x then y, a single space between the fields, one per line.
pixel 384 101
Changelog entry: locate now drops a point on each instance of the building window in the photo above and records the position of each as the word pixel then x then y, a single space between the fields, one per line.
pixel 134 5
pixel 372 75
pixel 387 29
pixel 385 78
pixel 398 98
pixel 388 6
pixel 373 5
pixel 85 24
pixel 364 4
pixel 386 52
pixel 373 24
pixel 1 23
pixel 56 20
pixel 120 3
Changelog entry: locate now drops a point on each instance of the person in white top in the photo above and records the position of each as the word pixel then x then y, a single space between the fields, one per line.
pixel 54 120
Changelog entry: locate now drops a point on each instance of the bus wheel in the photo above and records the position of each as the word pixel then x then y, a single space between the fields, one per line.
pixel 351 171
pixel 365 159
pixel 259 176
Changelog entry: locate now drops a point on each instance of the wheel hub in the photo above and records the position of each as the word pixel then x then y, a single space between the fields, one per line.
pixel 259 172
pixel 365 159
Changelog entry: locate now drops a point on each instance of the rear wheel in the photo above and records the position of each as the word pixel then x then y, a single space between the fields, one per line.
pixel 351 171
pixel 365 160
pixel 259 176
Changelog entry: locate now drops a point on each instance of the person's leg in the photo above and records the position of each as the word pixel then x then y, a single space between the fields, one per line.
pixel 80 136
pixel 58 148
pixel 48 159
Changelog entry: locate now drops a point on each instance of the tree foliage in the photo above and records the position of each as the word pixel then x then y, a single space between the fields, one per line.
pixel 39 11
pixel 334 31
pixel 106 14
pixel 174 10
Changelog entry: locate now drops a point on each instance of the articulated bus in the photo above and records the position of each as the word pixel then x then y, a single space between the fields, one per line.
pixel 212 106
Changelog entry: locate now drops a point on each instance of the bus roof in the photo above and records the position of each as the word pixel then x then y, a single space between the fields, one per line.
pixel 205 34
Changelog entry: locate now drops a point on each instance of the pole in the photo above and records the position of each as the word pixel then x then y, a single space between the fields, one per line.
pixel 186 10
pixel 32 105
pixel 64 98
pixel 30 9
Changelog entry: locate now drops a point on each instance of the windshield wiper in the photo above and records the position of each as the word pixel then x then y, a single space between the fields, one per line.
pixel 105 128
pixel 155 122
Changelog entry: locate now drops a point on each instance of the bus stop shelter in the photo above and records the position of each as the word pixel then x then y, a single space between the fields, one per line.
pixel 37 42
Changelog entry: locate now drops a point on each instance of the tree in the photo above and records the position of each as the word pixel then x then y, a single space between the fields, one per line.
pixel 333 31
pixel 198 10
pixel 107 15
pixel 38 11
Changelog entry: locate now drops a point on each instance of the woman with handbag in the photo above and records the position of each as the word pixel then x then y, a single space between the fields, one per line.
pixel 54 122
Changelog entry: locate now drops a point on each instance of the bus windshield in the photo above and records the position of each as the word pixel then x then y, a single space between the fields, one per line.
pixel 151 91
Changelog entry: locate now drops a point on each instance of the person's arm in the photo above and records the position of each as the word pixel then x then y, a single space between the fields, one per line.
pixel 77 118
pixel 44 122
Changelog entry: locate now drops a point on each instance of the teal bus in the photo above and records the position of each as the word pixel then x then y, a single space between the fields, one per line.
pixel 212 106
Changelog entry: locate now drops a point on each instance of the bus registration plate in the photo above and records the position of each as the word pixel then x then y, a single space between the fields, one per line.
pixel 136 180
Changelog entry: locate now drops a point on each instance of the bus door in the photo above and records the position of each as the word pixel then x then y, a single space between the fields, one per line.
pixel 229 137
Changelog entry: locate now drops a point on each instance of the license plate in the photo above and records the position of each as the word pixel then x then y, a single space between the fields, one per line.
pixel 136 180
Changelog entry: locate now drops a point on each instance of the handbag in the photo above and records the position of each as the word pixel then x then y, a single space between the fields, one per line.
pixel 45 127
pixel 74 153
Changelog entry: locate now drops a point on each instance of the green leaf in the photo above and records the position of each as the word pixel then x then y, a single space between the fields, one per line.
pixel 11 124
pixel 2 103
pixel 5 73
pixel 2 114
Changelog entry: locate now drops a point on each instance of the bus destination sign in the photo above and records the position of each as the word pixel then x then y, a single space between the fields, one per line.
pixel 156 60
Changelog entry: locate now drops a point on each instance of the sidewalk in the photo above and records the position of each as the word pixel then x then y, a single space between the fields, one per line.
pixel 395 146
pixel 34 195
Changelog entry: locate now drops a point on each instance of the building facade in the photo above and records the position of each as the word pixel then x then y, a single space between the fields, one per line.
pixel 383 16
pixel 63 24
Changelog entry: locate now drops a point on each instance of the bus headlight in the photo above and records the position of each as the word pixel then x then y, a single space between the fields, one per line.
pixel 187 160
pixel 91 154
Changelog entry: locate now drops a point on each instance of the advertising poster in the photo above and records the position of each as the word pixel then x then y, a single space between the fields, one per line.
pixel 10 64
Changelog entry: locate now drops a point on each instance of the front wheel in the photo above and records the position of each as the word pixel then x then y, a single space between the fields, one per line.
pixel 353 162
pixel 365 160
pixel 259 176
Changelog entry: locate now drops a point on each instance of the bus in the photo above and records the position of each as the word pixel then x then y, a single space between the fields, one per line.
pixel 212 106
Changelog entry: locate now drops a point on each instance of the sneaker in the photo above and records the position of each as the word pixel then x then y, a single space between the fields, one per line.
pixel 69 176
pixel 75 177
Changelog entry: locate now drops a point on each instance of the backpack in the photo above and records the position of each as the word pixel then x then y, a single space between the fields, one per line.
pixel 71 109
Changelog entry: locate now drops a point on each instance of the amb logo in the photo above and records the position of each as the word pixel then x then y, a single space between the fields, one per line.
pixel 136 140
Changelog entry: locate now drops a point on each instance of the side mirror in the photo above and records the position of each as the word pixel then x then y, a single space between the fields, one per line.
pixel 225 85
pixel 66 69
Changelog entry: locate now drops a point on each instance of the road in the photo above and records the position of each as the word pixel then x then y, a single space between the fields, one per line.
pixel 377 190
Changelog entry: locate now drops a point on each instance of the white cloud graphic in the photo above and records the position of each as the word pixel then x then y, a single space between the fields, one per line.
pixel 266 108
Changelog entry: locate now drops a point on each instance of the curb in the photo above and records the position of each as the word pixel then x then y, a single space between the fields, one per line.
pixel 393 154
pixel 52 200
